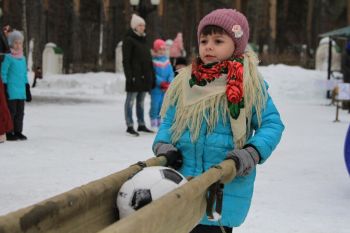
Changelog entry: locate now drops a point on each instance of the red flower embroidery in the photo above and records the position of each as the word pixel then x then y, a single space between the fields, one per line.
pixel 234 93
pixel 203 74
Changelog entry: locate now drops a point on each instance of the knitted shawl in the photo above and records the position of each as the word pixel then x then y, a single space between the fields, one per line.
pixel 206 103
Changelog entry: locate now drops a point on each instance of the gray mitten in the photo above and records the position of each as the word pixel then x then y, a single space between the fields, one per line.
pixel 245 160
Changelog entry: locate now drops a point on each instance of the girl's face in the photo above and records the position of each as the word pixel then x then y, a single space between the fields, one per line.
pixel 160 52
pixel 17 45
pixel 140 28
pixel 215 47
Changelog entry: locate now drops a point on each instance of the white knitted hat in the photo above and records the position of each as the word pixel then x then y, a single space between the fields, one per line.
pixel 136 20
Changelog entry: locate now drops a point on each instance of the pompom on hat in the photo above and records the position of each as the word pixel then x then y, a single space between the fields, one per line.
pixel 233 22
pixel 159 44
pixel 136 20
pixel 13 36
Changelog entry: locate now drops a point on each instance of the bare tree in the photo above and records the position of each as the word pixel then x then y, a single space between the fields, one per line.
pixel 348 12
pixel 24 26
pixel 76 56
pixel 238 5
pixel 272 23
pixel 310 11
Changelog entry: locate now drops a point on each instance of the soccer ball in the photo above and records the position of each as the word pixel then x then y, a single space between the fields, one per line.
pixel 145 186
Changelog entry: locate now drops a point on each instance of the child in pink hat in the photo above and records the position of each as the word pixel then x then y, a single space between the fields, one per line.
pixel 164 75
pixel 216 109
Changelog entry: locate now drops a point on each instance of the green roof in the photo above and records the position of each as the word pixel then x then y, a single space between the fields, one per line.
pixel 341 32
pixel 58 50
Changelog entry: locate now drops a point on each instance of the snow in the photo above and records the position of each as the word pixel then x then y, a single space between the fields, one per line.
pixel 76 130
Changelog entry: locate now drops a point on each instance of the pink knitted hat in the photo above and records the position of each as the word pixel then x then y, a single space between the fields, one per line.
pixel 233 22
pixel 158 44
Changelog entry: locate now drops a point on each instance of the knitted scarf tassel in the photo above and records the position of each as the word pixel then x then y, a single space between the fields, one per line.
pixel 192 116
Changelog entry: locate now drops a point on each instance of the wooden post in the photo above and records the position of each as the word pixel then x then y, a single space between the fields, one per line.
pixel 336 111
pixel 329 69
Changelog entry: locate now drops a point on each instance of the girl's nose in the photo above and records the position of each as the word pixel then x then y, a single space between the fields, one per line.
pixel 209 47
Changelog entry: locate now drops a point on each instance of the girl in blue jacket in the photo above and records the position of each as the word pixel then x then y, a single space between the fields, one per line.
pixel 164 75
pixel 14 77
pixel 219 108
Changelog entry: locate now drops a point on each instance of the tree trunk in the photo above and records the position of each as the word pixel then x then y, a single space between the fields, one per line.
pixel 348 12
pixel 128 12
pixel 238 5
pixel 310 11
pixel 24 26
pixel 272 23
pixel 161 8
pixel 46 8
pixel 76 44
pixel 104 6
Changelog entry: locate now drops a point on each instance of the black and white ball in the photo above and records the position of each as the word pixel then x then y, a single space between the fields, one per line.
pixel 145 186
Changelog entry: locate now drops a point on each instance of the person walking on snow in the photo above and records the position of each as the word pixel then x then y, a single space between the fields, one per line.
pixel 14 76
pixel 139 74
pixel 164 75
pixel 218 108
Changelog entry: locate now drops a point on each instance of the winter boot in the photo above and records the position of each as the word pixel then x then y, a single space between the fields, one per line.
pixel 11 137
pixel 20 136
pixel 154 123
pixel 143 128
pixel 159 121
pixel 130 130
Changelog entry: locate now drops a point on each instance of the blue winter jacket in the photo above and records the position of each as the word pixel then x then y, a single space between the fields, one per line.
pixel 211 149
pixel 14 74
pixel 164 72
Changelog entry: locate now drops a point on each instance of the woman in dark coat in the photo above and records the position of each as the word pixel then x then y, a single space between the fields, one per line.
pixel 139 74
pixel 5 117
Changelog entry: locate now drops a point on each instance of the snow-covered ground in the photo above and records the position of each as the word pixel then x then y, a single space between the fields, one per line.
pixel 76 130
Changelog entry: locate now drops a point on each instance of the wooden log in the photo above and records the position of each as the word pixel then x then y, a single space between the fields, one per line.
pixel 178 211
pixel 92 208
pixel 88 208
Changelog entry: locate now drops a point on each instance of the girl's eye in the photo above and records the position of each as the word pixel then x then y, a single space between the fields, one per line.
pixel 218 41
pixel 203 41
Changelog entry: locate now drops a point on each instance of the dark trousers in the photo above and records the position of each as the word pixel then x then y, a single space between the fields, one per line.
pixel 210 229
pixel 34 83
pixel 16 108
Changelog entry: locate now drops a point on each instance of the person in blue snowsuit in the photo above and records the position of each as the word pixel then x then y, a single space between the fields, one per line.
pixel 164 76
pixel 218 108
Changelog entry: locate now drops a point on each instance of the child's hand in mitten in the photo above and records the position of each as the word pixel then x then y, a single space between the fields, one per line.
pixel 164 86
pixel 172 155
pixel 245 160
pixel 5 90
pixel 28 94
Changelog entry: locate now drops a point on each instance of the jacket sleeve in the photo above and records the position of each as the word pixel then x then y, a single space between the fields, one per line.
pixel 170 73
pixel 4 69
pixel 127 49
pixel 164 132
pixel 268 135
pixel 159 79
